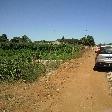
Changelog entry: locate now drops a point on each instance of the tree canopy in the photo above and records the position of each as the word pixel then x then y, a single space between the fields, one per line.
pixel 25 42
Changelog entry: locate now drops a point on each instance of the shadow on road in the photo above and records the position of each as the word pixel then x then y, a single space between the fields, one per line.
pixel 103 69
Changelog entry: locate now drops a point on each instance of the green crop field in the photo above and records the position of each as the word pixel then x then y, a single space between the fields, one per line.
pixel 20 64
pixel 20 57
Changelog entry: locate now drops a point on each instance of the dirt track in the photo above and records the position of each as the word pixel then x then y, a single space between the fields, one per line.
pixel 74 87
pixel 85 91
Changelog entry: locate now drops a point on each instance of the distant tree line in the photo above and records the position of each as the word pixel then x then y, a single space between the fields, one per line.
pixel 86 41
pixel 15 42
pixel 26 43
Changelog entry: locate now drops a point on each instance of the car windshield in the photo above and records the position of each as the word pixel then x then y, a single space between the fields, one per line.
pixel 106 50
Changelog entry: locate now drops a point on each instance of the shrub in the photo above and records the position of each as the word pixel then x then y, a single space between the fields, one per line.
pixel 20 64
pixel 17 67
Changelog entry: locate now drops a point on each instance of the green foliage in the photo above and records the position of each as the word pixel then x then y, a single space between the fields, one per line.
pixel 87 40
pixel 69 41
pixel 16 66
pixel 21 64
pixel 19 57
pixel 3 38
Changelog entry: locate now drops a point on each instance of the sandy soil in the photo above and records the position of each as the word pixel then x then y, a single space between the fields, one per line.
pixel 74 87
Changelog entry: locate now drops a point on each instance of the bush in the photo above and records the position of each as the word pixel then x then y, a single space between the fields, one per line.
pixel 21 64
pixel 32 71
pixel 17 67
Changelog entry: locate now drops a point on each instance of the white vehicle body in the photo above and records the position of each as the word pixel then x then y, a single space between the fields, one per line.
pixel 104 57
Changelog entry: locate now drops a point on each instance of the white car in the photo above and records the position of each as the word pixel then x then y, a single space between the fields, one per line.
pixel 104 57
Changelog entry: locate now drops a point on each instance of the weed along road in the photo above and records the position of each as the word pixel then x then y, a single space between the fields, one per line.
pixel 85 91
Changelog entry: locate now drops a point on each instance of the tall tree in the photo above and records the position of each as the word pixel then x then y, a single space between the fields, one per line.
pixel 3 38
pixel 88 40
pixel 25 39
pixel 16 40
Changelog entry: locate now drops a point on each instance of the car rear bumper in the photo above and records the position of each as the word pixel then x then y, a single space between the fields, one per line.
pixel 103 65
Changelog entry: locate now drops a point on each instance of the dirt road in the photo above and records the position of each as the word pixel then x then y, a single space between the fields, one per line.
pixel 86 90
pixel 74 87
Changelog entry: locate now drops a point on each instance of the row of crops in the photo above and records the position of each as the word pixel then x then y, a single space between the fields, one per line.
pixel 21 64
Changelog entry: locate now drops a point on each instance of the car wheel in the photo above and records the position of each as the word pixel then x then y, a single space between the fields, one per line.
pixel 95 68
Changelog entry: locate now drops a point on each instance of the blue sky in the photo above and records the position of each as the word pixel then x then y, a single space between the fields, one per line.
pixel 51 19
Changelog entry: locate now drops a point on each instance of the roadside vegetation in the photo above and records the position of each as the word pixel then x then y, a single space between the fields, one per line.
pixel 24 60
